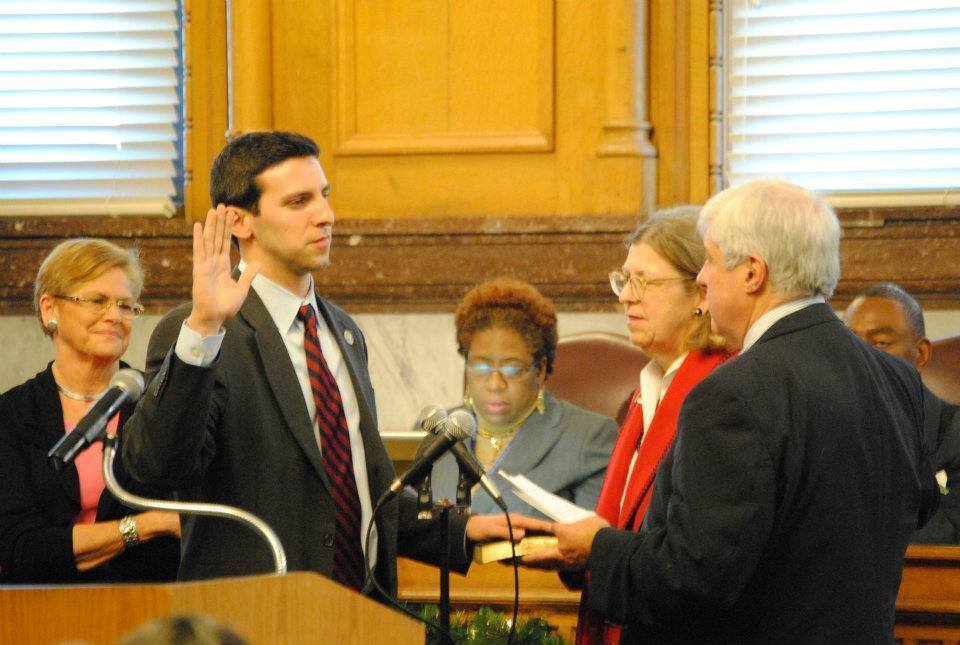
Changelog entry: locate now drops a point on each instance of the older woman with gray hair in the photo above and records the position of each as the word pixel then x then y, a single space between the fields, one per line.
pixel 666 318
pixel 63 527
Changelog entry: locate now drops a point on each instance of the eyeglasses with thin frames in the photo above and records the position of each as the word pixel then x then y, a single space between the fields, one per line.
pixel 619 281
pixel 508 371
pixel 101 304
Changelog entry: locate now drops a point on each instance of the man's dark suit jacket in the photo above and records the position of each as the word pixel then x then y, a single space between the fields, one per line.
pixel 782 515
pixel 942 431
pixel 238 433
pixel 38 504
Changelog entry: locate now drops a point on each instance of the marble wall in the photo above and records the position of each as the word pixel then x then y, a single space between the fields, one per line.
pixel 413 357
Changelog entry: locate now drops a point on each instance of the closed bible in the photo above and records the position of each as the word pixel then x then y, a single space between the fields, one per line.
pixel 493 551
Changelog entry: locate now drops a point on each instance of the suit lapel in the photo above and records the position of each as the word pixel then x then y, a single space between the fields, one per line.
pixel 351 354
pixel 535 439
pixel 276 365
pixel 663 429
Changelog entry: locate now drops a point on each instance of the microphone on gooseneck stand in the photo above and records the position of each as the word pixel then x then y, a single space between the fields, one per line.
pixel 444 432
pixel 453 431
pixel 126 385
pixel 472 470
pixel 429 421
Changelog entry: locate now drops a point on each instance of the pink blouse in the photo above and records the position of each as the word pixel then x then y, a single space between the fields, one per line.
pixel 90 469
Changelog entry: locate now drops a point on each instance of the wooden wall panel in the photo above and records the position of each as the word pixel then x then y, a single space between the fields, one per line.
pixel 422 76
pixel 414 231
pixel 434 109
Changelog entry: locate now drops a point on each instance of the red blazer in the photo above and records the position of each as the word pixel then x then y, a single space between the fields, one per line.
pixel 639 490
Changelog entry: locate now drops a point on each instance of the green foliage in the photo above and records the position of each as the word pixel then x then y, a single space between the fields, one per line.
pixel 490 627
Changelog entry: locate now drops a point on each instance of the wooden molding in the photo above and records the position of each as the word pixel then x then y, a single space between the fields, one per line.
pixel 399 265
pixel 444 143
pixel 418 264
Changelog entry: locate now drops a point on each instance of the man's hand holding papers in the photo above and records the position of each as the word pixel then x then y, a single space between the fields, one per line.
pixel 575 527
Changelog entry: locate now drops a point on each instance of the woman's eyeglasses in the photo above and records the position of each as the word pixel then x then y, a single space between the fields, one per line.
pixel 509 371
pixel 101 304
pixel 619 281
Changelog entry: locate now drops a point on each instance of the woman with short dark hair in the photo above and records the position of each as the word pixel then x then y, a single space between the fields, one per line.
pixel 507 334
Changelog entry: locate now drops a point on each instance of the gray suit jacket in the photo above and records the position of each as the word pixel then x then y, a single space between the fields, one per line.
pixel 565 450
pixel 238 433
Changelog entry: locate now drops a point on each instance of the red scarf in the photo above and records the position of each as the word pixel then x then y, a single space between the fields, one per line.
pixel 591 630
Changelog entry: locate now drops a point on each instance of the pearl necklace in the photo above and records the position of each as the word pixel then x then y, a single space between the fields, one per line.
pixel 80 397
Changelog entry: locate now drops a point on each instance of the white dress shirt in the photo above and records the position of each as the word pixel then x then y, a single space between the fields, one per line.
pixel 654 383
pixel 770 318
pixel 283 305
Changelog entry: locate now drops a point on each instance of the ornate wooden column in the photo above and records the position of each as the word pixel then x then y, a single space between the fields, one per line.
pixel 680 98
pixel 626 130
pixel 250 62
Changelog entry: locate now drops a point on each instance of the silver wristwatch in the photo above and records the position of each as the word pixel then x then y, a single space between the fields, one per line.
pixel 129 532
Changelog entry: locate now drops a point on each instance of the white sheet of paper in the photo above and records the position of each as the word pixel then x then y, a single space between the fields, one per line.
pixel 553 506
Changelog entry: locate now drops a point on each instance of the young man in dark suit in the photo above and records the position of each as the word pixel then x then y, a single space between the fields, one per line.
pixel 260 395
pixel 891 320
pixel 799 471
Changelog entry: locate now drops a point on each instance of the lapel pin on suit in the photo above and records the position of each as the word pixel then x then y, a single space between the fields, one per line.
pixel 348 336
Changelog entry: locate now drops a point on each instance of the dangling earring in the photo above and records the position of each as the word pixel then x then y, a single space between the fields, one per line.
pixel 698 312
pixel 52 325
pixel 467 399
pixel 541 406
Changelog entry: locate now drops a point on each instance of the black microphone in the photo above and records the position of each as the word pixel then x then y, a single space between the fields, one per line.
pixel 470 465
pixel 454 428
pixel 126 385
pixel 430 419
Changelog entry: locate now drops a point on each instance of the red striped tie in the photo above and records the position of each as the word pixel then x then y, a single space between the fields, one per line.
pixel 348 563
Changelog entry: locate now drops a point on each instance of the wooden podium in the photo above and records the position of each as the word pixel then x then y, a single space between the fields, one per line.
pixel 295 608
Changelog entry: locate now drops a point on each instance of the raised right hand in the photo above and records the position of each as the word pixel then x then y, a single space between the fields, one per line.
pixel 216 296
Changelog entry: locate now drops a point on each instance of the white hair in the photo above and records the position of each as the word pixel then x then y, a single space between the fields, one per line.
pixel 793 230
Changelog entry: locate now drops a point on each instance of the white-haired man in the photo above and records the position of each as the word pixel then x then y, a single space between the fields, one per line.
pixel 798 473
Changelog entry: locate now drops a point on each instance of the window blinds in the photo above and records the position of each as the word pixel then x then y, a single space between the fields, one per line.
pixel 90 107
pixel 859 95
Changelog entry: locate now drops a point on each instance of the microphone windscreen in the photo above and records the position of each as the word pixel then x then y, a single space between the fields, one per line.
pixel 460 425
pixel 130 381
pixel 430 417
